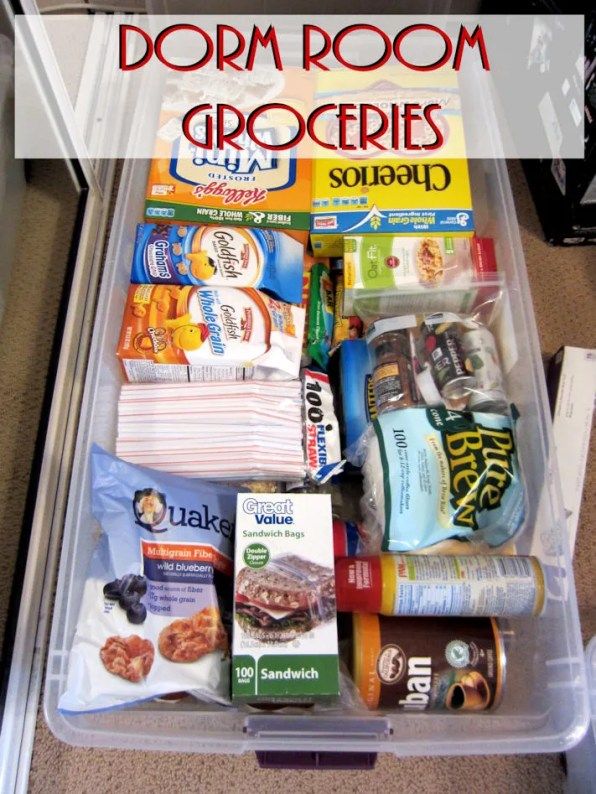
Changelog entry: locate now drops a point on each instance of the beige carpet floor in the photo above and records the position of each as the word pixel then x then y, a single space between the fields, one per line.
pixel 564 292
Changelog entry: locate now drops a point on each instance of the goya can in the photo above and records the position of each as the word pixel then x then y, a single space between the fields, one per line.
pixel 442 343
pixel 423 664
pixel 480 349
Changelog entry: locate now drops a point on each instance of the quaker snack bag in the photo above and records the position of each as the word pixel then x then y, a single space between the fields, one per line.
pixel 150 621
pixel 433 474
pixel 172 333
pixel 218 256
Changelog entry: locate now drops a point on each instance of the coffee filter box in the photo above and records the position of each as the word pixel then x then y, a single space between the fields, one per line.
pixel 285 626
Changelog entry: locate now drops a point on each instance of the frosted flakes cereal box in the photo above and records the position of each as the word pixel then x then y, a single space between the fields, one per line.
pixel 252 186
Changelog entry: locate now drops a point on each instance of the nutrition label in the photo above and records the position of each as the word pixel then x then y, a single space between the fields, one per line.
pixel 467 586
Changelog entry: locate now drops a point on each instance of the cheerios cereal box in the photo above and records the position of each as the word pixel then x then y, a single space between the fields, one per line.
pixel 250 186
pixel 393 192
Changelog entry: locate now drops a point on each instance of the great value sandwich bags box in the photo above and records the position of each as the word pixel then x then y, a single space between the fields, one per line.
pixel 252 186
pixel 392 192
pixel 285 627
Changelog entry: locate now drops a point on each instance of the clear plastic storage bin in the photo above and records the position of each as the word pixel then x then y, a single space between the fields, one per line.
pixel 545 704
pixel 581 759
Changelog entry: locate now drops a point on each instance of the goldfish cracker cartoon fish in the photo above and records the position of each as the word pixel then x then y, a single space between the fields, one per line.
pixel 202 266
pixel 219 256
pixel 208 333
pixel 190 337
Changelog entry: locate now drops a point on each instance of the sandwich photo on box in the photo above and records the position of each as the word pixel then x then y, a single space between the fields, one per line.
pixel 288 597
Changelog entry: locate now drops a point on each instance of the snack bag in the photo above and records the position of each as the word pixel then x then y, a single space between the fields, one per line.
pixel 320 314
pixel 433 474
pixel 150 622
pixel 343 327
pixel 172 333
pixel 218 256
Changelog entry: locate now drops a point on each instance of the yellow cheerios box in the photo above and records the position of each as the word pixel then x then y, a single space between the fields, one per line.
pixel 392 192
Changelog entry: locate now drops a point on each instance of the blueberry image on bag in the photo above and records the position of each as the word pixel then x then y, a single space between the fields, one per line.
pixel 128 591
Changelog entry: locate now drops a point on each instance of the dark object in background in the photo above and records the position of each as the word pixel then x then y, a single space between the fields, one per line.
pixel 563 190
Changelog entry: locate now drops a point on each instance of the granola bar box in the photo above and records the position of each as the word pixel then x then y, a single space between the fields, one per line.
pixel 285 625
pixel 381 270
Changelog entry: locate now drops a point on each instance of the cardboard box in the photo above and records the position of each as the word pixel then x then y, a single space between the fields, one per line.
pixel 253 186
pixel 285 646
pixel 572 388
pixel 184 333
pixel 388 196
pixel 393 273
pixel 392 192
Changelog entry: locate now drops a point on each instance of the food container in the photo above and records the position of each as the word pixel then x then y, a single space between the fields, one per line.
pixel 544 707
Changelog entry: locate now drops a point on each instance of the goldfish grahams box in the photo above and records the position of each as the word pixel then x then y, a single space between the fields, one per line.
pixel 392 192
pixel 249 187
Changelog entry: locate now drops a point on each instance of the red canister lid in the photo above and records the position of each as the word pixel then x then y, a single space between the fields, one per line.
pixel 340 541
pixel 358 584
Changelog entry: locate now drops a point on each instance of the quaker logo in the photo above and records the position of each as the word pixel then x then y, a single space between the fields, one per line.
pixel 150 509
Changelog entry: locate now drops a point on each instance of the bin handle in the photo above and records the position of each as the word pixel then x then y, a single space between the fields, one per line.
pixel 283 759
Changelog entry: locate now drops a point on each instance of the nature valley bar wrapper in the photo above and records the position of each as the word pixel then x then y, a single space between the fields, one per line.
pixel 252 186
pixel 394 191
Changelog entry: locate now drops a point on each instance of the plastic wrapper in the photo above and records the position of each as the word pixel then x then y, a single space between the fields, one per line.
pixel 435 474
pixel 320 314
pixel 436 359
pixel 350 327
pixel 321 430
pixel 150 620
pixel 387 274
pixel 238 430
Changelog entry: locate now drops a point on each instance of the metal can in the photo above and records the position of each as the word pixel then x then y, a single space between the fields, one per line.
pixel 443 348
pixel 440 584
pixel 422 664
pixel 480 349
pixel 393 378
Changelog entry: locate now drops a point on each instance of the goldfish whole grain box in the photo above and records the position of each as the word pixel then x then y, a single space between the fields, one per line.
pixel 396 191
pixel 250 186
